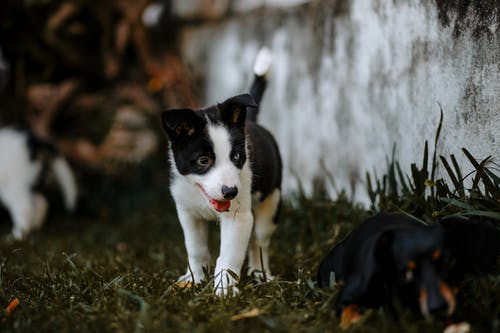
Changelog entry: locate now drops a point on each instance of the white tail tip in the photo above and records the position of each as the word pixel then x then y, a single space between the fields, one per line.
pixel 263 62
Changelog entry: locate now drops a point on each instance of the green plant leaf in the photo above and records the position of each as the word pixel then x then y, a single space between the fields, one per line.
pixel 457 203
pixel 488 214
pixel 454 179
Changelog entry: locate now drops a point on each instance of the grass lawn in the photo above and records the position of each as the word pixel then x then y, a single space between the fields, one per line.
pixel 116 272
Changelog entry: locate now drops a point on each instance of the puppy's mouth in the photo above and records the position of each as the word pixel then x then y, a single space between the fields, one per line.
pixel 218 205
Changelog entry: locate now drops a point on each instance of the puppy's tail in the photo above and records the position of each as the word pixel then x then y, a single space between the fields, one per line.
pixel 66 181
pixel 261 69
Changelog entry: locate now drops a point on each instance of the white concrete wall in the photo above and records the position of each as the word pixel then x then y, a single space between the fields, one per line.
pixel 350 81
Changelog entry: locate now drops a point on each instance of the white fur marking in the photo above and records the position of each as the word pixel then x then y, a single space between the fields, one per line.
pixel 17 175
pixel 234 237
pixel 263 62
pixel 223 172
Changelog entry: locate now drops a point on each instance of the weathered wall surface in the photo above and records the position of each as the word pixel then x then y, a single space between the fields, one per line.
pixel 353 78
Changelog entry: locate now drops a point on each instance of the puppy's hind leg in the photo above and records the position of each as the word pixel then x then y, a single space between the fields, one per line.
pixel 19 203
pixel 264 227
pixel 40 207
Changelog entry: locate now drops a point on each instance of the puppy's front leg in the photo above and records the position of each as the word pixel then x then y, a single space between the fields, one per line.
pixel 196 242
pixel 235 234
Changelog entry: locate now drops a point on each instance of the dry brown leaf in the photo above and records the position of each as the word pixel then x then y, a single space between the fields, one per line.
pixel 249 314
pixel 350 316
pixel 12 305
pixel 184 284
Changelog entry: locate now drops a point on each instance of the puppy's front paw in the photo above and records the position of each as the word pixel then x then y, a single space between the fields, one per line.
pixel 192 275
pixel 185 281
pixel 186 278
pixel 227 291
pixel 260 276
pixel 225 283
pixel 19 234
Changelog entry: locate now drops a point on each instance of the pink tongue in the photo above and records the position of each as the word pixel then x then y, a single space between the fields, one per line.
pixel 220 206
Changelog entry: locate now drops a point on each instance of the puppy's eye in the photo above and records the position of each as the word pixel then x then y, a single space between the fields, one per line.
pixel 203 161
pixel 238 156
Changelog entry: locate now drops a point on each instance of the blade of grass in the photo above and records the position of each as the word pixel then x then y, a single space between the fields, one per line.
pixel 493 177
pixel 457 203
pixel 482 213
pixel 490 187
pixel 461 189
pixel 451 174
pixel 402 181
pixel 436 140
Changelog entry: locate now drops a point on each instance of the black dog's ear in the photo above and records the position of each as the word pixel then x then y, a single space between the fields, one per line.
pixel 180 123
pixel 330 270
pixel 475 245
pixel 366 260
pixel 233 110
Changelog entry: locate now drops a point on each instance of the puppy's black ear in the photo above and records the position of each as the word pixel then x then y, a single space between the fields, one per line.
pixel 233 110
pixel 475 245
pixel 180 123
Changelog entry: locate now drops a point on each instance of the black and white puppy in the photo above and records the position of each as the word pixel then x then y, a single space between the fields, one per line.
pixel 23 162
pixel 226 167
pixel 392 257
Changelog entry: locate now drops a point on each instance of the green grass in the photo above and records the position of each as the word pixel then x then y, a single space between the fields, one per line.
pixel 112 267
pixel 83 274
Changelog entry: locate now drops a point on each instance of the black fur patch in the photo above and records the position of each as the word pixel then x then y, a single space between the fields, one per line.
pixel 189 140
pixel 40 149
pixel 43 151
pixel 265 160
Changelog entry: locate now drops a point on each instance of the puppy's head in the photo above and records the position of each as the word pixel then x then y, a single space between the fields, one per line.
pixel 421 264
pixel 209 147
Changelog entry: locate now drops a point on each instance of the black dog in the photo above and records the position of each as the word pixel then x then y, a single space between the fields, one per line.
pixel 394 257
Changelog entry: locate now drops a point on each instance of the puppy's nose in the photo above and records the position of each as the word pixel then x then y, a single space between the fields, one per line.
pixel 229 193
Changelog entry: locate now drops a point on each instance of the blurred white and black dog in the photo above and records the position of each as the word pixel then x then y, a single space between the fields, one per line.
pixel 226 167
pixel 24 161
